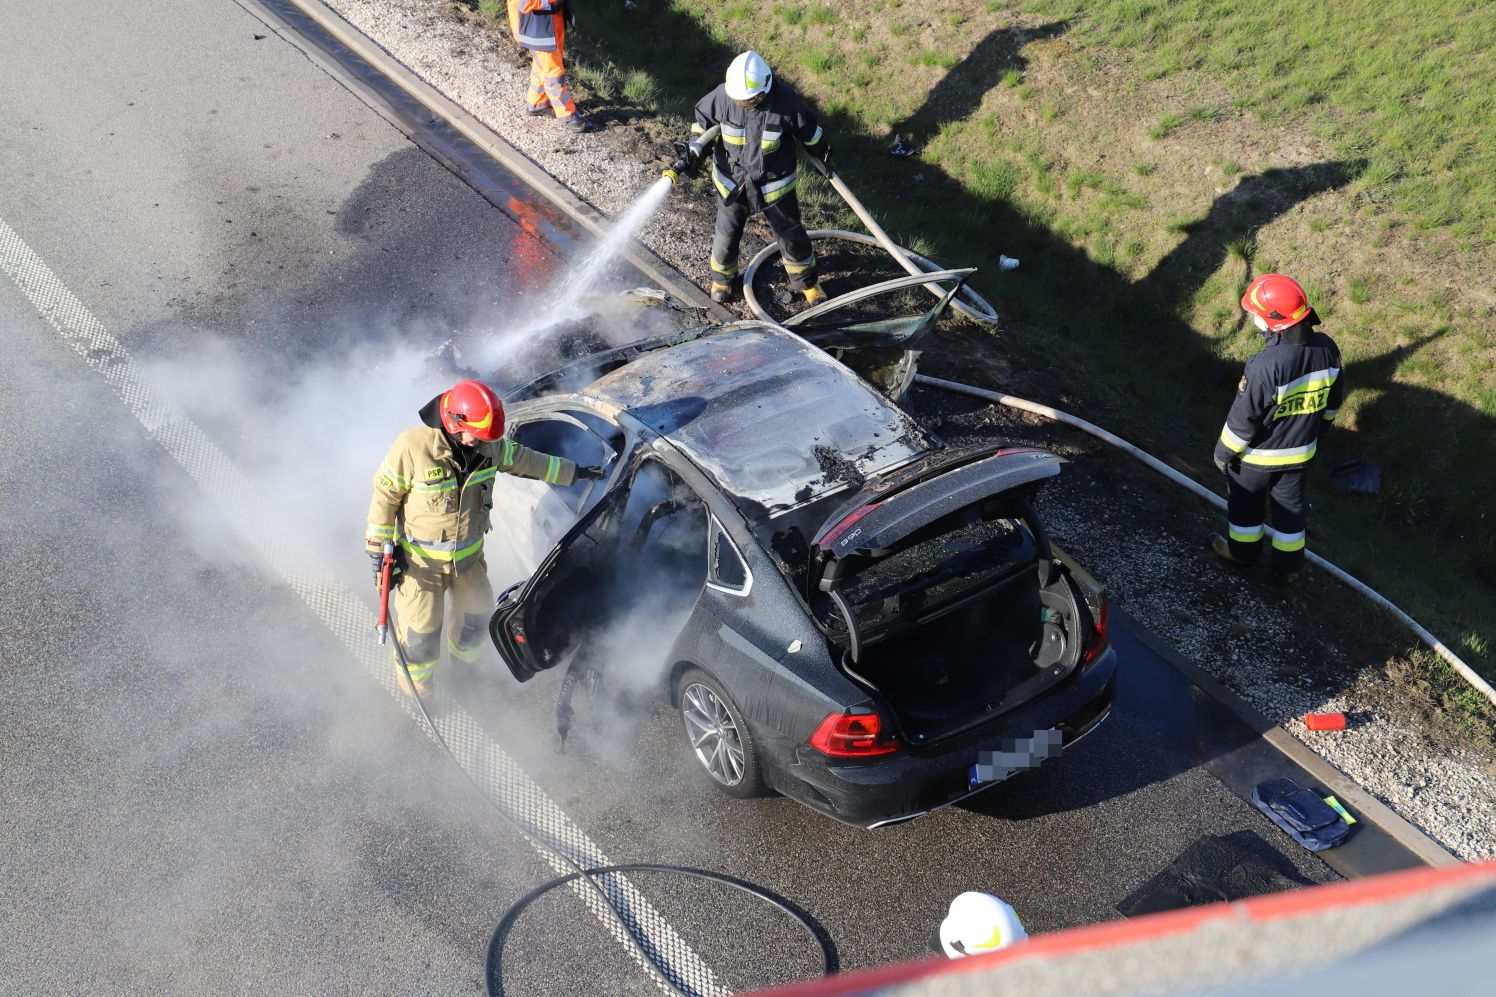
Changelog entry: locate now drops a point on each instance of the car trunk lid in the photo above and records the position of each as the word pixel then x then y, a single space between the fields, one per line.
pixel 939 589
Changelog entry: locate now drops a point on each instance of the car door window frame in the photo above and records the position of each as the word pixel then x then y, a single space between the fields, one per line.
pixel 565 416
pixel 716 534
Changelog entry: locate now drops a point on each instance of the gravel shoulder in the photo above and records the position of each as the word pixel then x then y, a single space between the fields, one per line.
pixel 1316 648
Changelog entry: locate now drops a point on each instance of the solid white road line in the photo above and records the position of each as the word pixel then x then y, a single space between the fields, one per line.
pixel 348 617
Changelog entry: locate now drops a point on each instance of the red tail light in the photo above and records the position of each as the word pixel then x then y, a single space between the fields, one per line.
pixel 834 534
pixel 852 735
pixel 1099 642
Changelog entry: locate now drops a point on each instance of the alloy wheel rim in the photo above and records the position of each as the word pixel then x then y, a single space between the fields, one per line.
pixel 713 733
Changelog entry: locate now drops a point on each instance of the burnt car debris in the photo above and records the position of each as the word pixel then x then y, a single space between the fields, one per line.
pixel 847 610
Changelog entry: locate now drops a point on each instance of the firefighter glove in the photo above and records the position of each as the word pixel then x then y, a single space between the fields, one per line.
pixel 820 157
pixel 397 566
pixel 591 473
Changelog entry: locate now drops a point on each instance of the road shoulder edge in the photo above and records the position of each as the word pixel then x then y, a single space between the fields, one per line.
pixel 1346 789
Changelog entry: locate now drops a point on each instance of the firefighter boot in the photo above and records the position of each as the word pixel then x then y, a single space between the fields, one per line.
pixel 723 293
pixel 1222 548
pixel 814 295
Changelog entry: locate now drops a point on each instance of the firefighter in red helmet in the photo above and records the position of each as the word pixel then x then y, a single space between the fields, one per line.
pixel 1290 391
pixel 432 496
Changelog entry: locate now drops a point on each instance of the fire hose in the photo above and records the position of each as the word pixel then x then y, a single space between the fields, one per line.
pixel 493 969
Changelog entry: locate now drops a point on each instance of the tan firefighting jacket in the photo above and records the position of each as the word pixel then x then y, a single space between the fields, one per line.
pixel 423 503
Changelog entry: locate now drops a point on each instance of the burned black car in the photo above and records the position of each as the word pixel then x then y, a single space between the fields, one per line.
pixel 847 611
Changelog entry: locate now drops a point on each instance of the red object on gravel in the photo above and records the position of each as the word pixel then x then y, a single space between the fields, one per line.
pixel 1324 721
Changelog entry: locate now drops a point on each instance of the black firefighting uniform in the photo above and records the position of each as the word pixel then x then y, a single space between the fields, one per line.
pixel 1289 391
pixel 755 168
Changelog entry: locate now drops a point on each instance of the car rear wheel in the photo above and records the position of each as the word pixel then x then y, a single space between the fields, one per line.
pixel 718 735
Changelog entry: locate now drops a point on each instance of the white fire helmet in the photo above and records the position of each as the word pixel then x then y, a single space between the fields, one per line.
pixel 749 77
pixel 979 923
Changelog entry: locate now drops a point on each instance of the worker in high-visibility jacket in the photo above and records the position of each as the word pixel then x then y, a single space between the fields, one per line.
pixel 432 496
pixel 1290 391
pixel 539 27
pixel 756 168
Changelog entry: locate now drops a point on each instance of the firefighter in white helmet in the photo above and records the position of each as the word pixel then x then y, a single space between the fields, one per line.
pixel 755 168
pixel 979 923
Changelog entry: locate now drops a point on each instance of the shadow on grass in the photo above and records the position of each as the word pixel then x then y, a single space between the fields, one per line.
pixel 958 95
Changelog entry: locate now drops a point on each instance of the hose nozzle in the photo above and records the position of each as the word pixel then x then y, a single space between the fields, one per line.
pixel 670 173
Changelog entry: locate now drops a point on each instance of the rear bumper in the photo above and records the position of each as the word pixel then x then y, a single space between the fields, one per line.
pixel 908 785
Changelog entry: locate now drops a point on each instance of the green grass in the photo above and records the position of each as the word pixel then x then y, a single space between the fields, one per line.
pixel 1166 125
pixel 821 13
pixel 1408 84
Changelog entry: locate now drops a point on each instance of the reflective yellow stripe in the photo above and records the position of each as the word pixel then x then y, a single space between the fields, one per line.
pixel 509 446
pixel 484 475
pixel 1233 442
pixel 994 942
pixel 379 531
pixel 1329 414
pixel 1244 534
pixel 468 655
pixel 446 551
pixel 814 138
pixel 1279 458
pixel 1288 541
pixel 1305 395
pixel 389 472
pixel 420 671
pixel 799 267
pixel 774 191
pixel 554 471
pixel 723 183
pixel 734 136
pixel 444 485
pixel 697 130
pixel 726 269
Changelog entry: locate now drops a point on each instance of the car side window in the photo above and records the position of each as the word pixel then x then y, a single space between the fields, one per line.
pixel 726 569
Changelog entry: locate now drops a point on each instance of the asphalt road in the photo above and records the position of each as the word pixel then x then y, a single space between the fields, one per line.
pixel 204 789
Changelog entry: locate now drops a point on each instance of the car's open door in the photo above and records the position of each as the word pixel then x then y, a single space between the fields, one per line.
pixel 524 625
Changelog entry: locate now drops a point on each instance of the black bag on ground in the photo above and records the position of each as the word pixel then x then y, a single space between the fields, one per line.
pixel 1305 817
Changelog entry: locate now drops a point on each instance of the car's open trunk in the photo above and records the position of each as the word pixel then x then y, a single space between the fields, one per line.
pixel 947 600
pixel 985 657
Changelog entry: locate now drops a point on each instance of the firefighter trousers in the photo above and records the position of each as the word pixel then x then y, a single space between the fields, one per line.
pixel 420 602
pixel 783 217
pixel 1254 495
pixel 548 84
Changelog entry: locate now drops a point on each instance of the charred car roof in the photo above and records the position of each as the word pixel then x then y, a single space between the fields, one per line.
pixel 774 420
